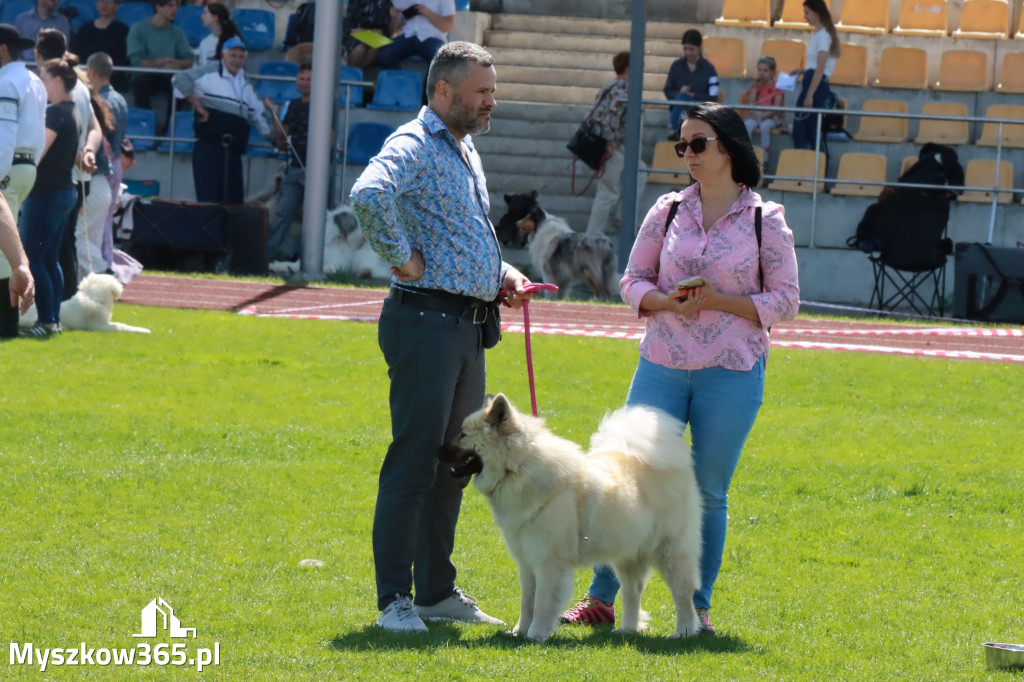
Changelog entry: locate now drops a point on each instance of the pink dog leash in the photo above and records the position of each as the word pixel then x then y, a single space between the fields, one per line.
pixel 531 288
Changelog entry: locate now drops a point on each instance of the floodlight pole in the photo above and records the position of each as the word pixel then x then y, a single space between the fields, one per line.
pixel 634 113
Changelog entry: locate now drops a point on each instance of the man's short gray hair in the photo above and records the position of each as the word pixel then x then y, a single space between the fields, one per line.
pixel 101 63
pixel 451 64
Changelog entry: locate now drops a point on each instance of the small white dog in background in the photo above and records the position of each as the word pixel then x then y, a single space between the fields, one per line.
pixel 345 249
pixel 90 308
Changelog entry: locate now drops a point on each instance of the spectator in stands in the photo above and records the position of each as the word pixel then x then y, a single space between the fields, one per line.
pixel 22 116
pixel 225 107
pixel 45 213
pixel 690 79
pixel 822 53
pixel 281 243
pixel 104 34
pixel 157 43
pixel 763 92
pixel 609 115
pixel 366 15
pixel 45 15
pixel 425 27
pixel 216 18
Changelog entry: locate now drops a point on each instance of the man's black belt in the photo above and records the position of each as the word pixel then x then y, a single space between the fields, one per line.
pixel 472 309
pixel 22 157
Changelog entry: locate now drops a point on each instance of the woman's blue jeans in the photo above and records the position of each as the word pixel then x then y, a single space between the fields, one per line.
pixel 720 405
pixel 43 220
pixel 805 126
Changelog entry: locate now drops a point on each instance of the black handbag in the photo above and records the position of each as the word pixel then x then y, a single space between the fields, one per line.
pixel 491 327
pixel 586 144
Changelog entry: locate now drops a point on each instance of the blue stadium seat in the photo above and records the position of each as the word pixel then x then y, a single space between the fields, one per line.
pixel 256 27
pixel 258 145
pixel 398 91
pixel 365 140
pixel 183 128
pixel 189 20
pixel 461 5
pixel 10 9
pixel 142 188
pixel 141 122
pixel 351 73
pixel 132 12
pixel 279 91
pixel 86 11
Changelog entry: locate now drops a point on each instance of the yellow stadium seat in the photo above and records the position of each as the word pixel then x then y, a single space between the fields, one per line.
pixel 908 161
pixel 864 16
pixel 881 128
pixel 963 71
pixel 746 13
pixel 789 54
pixel 729 55
pixel 1013 134
pixel 852 66
pixel 1011 75
pixel 665 157
pixel 793 15
pixel 988 19
pixel 943 132
pixel 982 173
pixel 799 163
pixel 922 18
pixel 1019 35
pixel 903 67
pixel 860 167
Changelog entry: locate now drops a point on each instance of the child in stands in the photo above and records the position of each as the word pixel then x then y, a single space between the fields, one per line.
pixel 762 92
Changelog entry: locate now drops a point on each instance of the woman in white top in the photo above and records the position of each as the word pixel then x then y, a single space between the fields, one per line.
pixel 822 53
pixel 216 18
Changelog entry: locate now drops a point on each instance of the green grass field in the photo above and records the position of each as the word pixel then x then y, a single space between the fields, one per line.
pixel 875 531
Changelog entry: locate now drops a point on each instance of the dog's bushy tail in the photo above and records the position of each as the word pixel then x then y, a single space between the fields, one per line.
pixel 648 434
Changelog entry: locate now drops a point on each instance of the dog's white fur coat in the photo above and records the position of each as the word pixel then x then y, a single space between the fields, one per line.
pixel 631 501
pixel 91 307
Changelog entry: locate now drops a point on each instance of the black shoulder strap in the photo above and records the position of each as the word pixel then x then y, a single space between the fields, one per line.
pixel 674 208
pixel 757 233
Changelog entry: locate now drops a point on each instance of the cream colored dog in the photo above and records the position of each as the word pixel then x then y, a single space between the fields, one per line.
pixel 90 308
pixel 631 502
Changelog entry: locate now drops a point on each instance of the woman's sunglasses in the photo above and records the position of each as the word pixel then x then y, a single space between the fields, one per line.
pixel 697 144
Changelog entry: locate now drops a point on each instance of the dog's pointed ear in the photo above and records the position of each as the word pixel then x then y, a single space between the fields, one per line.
pixel 499 410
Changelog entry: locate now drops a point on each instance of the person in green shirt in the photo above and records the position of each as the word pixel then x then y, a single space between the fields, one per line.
pixel 157 43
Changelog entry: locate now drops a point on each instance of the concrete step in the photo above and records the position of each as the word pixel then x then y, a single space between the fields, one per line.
pixel 570 42
pixel 597 61
pixel 544 75
pixel 561 94
pixel 592 27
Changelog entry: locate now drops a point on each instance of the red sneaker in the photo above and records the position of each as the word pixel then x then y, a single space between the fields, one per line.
pixel 590 611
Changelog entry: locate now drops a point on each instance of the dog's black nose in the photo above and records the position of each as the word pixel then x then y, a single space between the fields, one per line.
pixel 472 464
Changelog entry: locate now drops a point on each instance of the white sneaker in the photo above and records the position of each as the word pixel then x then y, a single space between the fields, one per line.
pixel 458 607
pixel 399 616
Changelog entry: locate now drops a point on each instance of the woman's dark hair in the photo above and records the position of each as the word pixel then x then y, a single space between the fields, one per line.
pixel 620 62
pixel 732 135
pixel 821 9
pixel 228 28
pixel 58 68
pixel 692 37
pixel 104 116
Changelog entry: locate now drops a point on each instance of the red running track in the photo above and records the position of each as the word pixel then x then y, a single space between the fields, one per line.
pixel 582 319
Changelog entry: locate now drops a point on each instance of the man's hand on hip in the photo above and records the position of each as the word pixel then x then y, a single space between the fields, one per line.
pixel 412 270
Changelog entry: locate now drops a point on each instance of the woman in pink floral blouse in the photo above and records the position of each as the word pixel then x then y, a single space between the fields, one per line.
pixel 702 358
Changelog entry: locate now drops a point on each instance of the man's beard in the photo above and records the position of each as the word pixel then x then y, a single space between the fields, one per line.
pixel 467 119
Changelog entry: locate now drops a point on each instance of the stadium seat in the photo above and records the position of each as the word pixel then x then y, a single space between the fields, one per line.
pixel 256 27
pixel 908 161
pixel 943 132
pixel 903 67
pixel 1013 134
pixel 860 167
pixel 189 20
pixel 10 9
pixel 142 188
pixel 86 10
pixel 397 91
pixel 852 66
pixel 184 133
pixel 963 71
pixel 789 54
pixel 665 157
pixel 746 13
pixel 131 12
pixel 1011 75
pixel 982 173
pixel 864 16
pixel 984 19
pixel 799 163
pixel 922 18
pixel 278 91
pixel 1019 35
pixel 351 73
pixel 793 15
pixel 258 145
pixel 729 55
pixel 141 123
pixel 461 5
pixel 881 128
pixel 365 140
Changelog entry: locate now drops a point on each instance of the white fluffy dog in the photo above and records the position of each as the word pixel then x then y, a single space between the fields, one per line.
pixel 90 308
pixel 345 249
pixel 631 502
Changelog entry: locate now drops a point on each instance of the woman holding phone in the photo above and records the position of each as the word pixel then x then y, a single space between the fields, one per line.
pixel 708 288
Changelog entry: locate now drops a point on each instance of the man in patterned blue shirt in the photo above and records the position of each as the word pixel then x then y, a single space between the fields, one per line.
pixel 422 204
